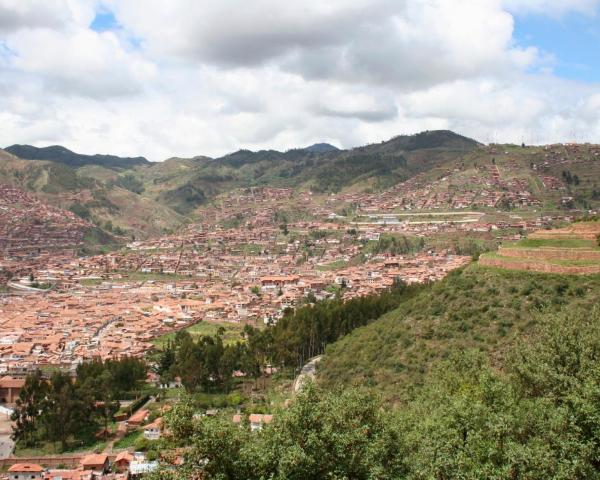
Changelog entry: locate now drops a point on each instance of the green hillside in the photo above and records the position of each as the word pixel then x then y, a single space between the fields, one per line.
pixel 553 177
pixel 109 199
pixel 190 182
pixel 479 308
pixel 146 199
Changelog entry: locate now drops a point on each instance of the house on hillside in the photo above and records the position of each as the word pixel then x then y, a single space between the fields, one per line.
pixel 68 475
pixel 258 420
pixel 138 418
pixel 139 469
pixel 97 463
pixel 123 461
pixel 153 430
pixel 10 388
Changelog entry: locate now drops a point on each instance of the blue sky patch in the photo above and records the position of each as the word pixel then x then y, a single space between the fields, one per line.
pixel 573 40
pixel 104 21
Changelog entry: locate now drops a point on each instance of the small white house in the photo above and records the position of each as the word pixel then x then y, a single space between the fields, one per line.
pixel 153 430
pixel 257 421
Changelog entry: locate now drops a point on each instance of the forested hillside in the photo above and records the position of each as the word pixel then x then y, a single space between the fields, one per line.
pixel 190 182
pixel 63 155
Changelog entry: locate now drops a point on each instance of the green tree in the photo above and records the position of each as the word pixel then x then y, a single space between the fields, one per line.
pixel 337 435
pixel 67 411
pixel 28 408
pixel 471 423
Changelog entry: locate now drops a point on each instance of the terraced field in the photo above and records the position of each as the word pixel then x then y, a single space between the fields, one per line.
pixel 573 250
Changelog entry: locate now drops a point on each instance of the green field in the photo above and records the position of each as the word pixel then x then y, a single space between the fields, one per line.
pixel 555 243
pixel 138 277
pixel 232 334
pixel 336 265
pixel 128 440
pixel 550 261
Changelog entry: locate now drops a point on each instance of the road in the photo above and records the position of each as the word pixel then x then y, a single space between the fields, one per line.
pixel 6 444
pixel 308 372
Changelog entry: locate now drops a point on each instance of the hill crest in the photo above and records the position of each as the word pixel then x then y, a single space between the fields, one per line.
pixel 60 154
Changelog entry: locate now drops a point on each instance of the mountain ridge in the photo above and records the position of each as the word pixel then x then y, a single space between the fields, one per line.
pixel 449 164
pixel 60 154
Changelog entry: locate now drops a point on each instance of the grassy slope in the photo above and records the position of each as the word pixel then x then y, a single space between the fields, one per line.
pixel 478 307
pixel 555 243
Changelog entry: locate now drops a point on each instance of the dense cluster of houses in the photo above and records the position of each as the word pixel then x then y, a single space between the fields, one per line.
pixel 120 317
pixel 239 264
pixel 28 224
pixel 95 466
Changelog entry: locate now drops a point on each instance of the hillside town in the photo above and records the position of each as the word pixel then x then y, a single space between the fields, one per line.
pixel 250 256
pixel 28 224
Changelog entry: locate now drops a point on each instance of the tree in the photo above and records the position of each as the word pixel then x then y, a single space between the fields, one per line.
pixel 28 408
pixel 67 411
pixel 102 390
pixel 322 435
pixel 166 361
pixel 470 422
pixel 562 366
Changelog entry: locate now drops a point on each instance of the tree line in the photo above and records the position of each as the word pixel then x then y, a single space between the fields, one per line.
pixel 64 409
pixel 208 364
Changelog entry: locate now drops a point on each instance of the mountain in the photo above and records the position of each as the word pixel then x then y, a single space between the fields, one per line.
pixel 321 148
pixel 321 169
pixel 145 199
pixel 480 308
pixel 63 155
pixel 110 199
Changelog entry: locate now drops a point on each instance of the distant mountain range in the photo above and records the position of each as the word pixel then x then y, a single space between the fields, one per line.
pixel 148 198
pixel 59 154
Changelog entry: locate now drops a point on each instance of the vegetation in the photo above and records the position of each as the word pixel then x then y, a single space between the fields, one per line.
pixel 65 156
pixel 478 308
pixel 229 332
pixel 555 243
pixel 207 364
pixel 129 182
pixel 396 245
pixel 70 412
pixel 306 332
pixel 538 419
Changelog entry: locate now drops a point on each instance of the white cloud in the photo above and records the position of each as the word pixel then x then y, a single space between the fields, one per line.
pixel 56 14
pixel 406 43
pixel 79 62
pixel 186 78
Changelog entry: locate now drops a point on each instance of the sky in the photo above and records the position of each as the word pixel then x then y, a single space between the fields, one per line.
pixel 207 77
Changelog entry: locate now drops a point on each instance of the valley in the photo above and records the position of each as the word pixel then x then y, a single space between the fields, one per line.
pixel 227 277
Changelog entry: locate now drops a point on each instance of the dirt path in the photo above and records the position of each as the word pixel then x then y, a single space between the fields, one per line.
pixel 308 372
